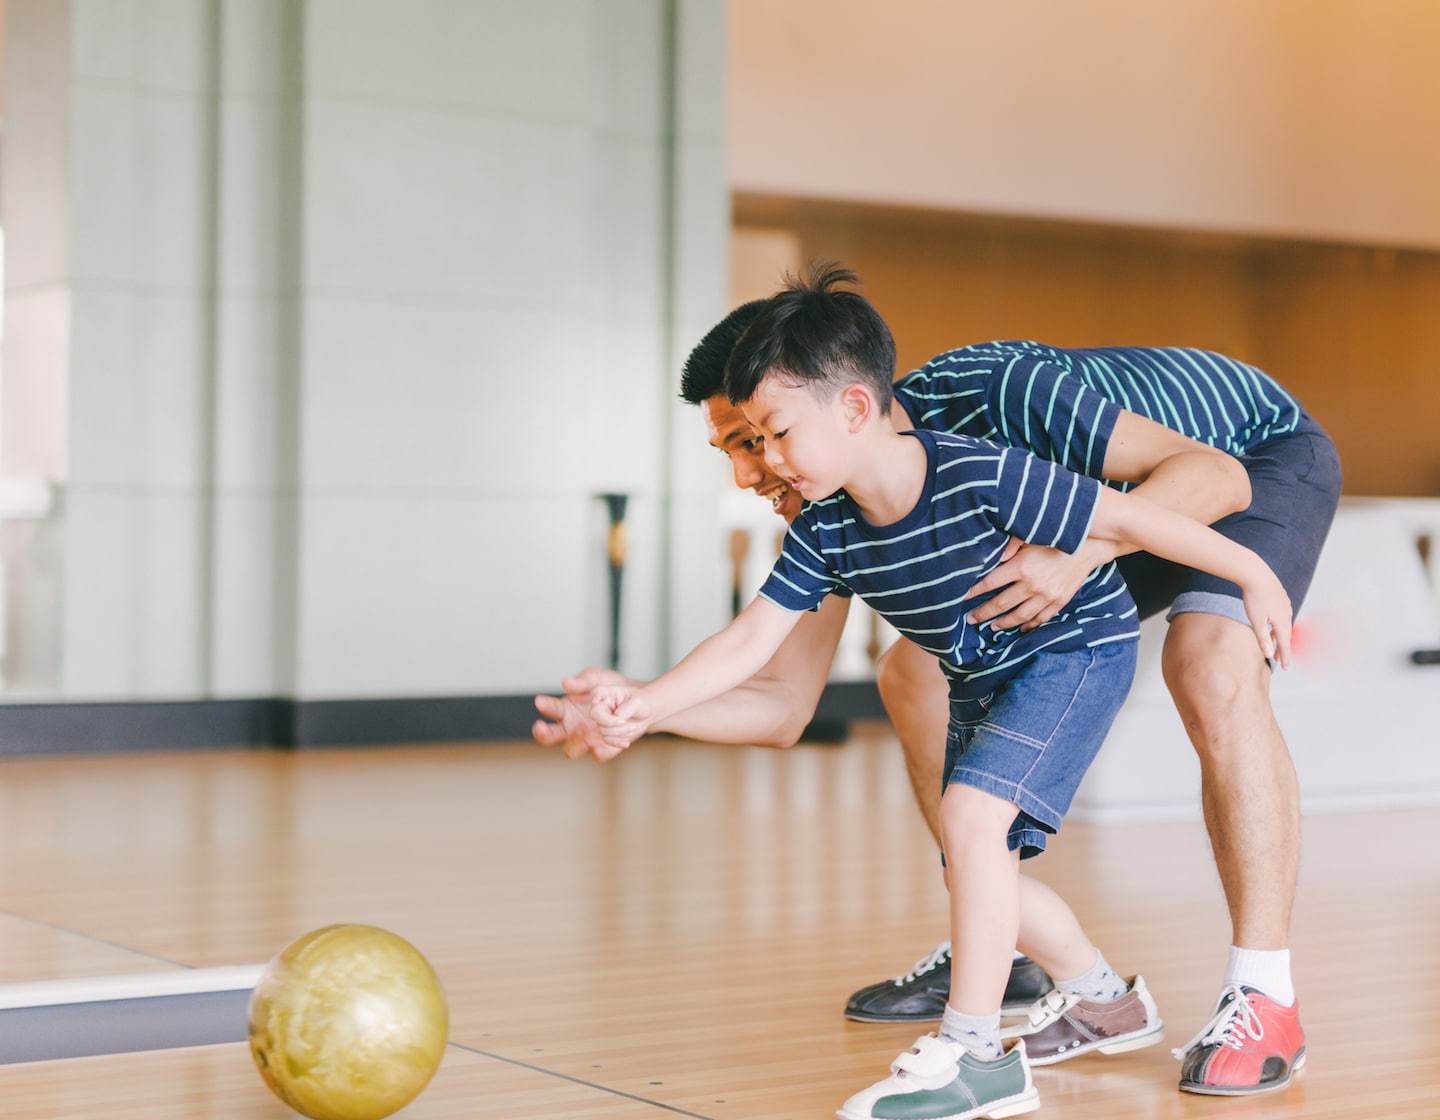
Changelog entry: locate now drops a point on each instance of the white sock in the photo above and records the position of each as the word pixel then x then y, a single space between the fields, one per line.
pixel 980 1034
pixel 1265 970
pixel 1101 983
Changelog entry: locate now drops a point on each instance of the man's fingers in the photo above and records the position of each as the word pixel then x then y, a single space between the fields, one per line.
pixel 1002 603
pixel 547 734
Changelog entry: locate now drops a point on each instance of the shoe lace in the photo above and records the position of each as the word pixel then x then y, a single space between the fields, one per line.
pixel 1234 1021
pixel 937 956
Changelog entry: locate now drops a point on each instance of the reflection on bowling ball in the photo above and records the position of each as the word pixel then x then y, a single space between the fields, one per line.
pixel 348 1023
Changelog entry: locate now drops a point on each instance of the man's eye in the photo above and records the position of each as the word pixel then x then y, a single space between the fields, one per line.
pixel 755 445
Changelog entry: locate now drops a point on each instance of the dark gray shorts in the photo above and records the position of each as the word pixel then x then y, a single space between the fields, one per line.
pixel 1294 489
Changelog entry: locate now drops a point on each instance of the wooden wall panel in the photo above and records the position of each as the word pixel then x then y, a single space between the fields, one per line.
pixel 1353 332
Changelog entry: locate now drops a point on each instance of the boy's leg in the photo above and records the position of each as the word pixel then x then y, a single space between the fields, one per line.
pixel 1014 758
pixel 917 697
pixel 965 1071
pixel 983 877
pixel 1090 1008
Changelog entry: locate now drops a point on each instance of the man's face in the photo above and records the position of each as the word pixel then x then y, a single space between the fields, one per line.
pixel 731 433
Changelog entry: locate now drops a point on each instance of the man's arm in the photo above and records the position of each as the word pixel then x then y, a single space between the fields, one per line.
pixel 770 709
pixel 1173 471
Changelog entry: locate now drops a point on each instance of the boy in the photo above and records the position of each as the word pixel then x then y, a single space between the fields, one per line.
pixel 909 521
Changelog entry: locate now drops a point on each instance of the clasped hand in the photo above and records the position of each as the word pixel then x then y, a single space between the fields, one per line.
pixel 567 721
pixel 1031 584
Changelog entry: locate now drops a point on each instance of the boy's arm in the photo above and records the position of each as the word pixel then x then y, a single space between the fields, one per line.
pixel 715 666
pixel 1130 519
pixel 1172 471
pixel 770 709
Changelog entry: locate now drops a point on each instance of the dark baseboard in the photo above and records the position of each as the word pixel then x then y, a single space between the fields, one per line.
pixel 98 728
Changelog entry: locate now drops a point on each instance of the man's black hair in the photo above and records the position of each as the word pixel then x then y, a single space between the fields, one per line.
pixel 703 375
pixel 816 332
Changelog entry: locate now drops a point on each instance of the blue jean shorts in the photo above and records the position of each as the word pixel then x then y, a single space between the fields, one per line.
pixel 1294 489
pixel 1032 739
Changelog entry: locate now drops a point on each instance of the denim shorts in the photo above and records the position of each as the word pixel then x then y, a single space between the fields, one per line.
pixel 1294 489
pixel 1032 739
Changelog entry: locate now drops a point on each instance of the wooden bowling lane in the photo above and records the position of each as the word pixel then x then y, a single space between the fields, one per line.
pixel 218 1083
pixel 672 934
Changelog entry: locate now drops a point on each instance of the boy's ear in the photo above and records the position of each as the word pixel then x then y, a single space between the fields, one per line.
pixel 858 403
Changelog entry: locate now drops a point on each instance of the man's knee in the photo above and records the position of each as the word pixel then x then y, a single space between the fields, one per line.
pixel 1214 671
pixel 905 672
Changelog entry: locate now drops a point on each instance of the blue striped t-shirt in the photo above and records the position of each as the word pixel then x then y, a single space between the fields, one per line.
pixel 1062 404
pixel 915 572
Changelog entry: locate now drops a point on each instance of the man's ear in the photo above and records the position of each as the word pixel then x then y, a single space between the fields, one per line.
pixel 859 405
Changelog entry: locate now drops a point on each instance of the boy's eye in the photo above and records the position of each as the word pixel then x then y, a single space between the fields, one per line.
pixel 782 434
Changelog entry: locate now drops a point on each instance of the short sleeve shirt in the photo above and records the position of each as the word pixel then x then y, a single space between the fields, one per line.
pixel 1062 404
pixel 915 572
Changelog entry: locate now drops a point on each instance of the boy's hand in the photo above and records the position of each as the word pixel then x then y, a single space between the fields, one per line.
pixel 1268 607
pixel 567 723
pixel 622 713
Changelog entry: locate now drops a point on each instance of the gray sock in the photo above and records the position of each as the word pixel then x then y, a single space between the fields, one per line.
pixel 980 1034
pixel 1101 983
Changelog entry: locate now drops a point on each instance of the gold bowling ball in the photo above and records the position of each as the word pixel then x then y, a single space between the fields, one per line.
pixel 348 1023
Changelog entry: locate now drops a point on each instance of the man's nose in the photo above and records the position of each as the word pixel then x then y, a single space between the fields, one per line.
pixel 747 470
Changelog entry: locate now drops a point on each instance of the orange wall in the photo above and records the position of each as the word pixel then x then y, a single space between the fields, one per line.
pixel 1354 332
pixel 1304 118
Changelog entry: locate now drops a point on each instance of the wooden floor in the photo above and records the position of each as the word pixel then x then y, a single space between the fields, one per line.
pixel 670 935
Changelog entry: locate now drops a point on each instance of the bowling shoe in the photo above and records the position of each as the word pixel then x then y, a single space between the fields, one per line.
pixel 1060 1027
pixel 920 994
pixel 938 1079
pixel 1250 1045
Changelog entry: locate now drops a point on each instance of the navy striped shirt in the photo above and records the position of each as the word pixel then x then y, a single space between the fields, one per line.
pixel 915 572
pixel 1062 404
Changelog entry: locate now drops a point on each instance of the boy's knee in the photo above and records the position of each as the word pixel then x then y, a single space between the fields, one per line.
pixel 969 815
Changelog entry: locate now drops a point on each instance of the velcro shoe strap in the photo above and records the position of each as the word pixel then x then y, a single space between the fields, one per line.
pixel 1050 1007
pixel 929 1058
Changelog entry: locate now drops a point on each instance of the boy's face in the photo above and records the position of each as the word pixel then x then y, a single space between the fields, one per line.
pixel 731 433
pixel 805 437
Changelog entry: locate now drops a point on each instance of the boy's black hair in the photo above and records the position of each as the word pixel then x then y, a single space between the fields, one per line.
pixel 819 333
pixel 703 375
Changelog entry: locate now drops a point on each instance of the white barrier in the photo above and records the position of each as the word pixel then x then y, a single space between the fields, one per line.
pixel 1362 720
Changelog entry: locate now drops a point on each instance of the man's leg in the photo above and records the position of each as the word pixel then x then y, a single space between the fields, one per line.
pixel 1249 791
pixel 1251 801
pixel 917 697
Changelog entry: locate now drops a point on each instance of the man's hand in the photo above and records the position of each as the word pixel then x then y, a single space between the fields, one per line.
pixel 567 721
pixel 1034 583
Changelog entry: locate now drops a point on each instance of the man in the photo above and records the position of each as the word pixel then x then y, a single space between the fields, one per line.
pixel 1042 398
